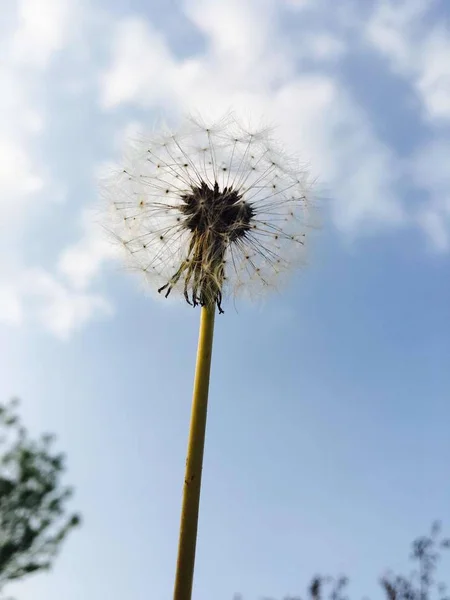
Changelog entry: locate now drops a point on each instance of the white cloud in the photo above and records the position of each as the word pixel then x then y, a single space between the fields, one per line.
pixel 430 166
pixel 240 70
pixel 81 262
pixel 141 62
pixel 31 294
pixel 35 296
pixel 20 173
pixel 416 50
pixel 41 30
pixel 391 27
pixel 237 31
pixel 246 63
pixel 11 310
pixel 430 172
pixel 319 118
pixel 433 81
pixel 435 227
pixel 16 172
pixel 324 46
pixel 239 59
pixel 57 307
pixel 43 27
pixel 298 4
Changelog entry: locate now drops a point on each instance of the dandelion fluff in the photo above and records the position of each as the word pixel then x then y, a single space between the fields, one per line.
pixel 211 211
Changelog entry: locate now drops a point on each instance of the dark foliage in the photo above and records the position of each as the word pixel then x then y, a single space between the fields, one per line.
pixel 420 584
pixel 33 517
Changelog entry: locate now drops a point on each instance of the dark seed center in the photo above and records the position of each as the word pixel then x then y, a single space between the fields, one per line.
pixel 221 213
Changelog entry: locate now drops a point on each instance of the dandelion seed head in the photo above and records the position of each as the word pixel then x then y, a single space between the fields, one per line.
pixel 210 211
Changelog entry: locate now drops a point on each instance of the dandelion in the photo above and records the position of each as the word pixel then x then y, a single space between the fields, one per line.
pixel 213 211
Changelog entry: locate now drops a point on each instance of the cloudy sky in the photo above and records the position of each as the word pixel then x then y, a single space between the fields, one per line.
pixel 327 446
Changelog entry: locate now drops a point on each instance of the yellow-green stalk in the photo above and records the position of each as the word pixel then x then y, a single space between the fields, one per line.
pixel 194 461
pixel 213 211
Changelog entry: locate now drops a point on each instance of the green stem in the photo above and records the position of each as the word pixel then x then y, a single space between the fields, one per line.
pixel 193 475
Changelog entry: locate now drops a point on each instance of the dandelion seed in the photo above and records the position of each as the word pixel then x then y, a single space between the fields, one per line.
pixel 206 195
pixel 212 211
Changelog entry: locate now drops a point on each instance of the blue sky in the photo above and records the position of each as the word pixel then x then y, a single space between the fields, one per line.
pixel 327 442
